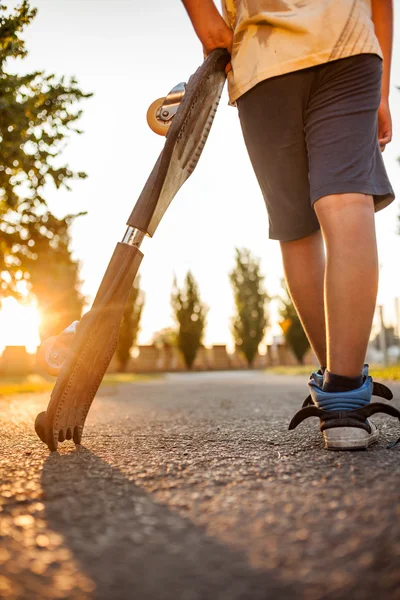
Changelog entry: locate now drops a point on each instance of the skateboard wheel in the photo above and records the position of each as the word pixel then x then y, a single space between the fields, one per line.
pixel 155 123
pixel 49 359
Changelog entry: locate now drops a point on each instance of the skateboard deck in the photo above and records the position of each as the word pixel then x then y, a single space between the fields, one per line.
pixel 96 335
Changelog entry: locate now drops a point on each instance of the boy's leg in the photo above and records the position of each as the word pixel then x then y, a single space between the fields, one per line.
pixel 304 267
pixel 335 106
pixel 312 139
pixel 351 280
pixel 348 182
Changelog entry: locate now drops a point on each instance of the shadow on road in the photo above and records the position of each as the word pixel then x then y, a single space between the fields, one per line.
pixel 132 547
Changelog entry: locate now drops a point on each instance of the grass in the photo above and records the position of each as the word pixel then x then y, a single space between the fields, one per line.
pixel 391 373
pixel 115 378
pixel 378 372
pixel 36 384
pixel 24 384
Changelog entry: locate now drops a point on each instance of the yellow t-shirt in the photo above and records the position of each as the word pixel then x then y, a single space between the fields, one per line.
pixel 273 37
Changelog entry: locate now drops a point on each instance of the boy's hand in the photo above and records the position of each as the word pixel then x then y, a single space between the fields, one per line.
pixel 217 35
pixel 384 124
pixel 210 27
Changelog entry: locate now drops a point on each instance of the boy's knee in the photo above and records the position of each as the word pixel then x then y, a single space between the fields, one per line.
pixel 343 203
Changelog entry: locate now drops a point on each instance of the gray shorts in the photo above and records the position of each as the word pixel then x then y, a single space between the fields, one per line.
pixel 313 133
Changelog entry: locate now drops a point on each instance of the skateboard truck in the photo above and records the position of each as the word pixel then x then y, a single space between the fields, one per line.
pixel 81 354
pixel 133 236
pixel 162 110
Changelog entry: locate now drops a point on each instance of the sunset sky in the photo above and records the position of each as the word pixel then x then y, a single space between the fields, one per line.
pixel 128 53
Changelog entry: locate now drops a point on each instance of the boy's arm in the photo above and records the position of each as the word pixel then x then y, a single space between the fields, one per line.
pixel 208 24
pixel 382 17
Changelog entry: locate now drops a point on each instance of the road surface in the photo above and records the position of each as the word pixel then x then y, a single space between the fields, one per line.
pixel 190 487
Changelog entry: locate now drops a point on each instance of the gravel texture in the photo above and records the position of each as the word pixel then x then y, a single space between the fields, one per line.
pixel 190 487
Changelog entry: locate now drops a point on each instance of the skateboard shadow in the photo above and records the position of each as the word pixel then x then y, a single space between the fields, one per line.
pixel 130 546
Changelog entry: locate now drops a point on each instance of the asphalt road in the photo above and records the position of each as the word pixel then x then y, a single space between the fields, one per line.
pixel 191 488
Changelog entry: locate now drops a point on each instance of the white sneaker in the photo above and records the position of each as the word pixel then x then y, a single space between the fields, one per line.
pixel 350 438
pixel 345 416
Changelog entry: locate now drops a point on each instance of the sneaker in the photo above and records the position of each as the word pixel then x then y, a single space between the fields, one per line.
pixel 344 416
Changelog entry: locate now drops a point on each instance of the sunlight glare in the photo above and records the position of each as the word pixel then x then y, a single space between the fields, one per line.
pixel 19 325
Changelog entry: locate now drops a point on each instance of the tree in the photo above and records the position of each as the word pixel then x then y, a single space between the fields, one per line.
pixel 37 112
pixel 130 324
pixel 165 338
pixel 250 321
pixel 292 328
pixel 54 278
pixel 190 314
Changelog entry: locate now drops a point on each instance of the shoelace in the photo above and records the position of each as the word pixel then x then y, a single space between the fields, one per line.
pixel 348 418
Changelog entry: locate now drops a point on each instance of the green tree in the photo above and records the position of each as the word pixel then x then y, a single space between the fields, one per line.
pixel 250 321
pixel 37 113
pixel 54 278
pixel 292 328
pixel 165 338
pixel 130 324
pixel 190 314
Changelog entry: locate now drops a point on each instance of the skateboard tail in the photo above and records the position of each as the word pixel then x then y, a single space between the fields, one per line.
pixel 92 350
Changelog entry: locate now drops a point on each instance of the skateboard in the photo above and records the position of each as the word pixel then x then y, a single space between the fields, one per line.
pixel 80 355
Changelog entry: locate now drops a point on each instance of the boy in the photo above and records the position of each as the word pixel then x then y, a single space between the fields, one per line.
pixel 311 83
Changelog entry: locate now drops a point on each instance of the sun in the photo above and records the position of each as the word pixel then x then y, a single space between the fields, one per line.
pixel 19 325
